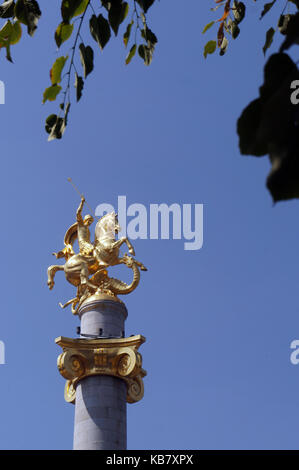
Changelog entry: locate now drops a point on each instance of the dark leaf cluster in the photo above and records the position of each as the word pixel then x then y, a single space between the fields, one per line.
pixel 270 125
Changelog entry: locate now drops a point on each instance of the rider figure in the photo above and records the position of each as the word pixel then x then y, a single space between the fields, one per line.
pixel 85 245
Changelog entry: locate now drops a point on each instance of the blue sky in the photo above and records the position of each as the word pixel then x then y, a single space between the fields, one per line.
pixel 218 321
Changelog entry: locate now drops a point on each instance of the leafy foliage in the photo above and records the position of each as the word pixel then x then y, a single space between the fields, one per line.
pixel 269 125
pixel 63 33
pixel 210 47
pixel 233 14
pixel 102 24
pixel 100 30
pixel 28 12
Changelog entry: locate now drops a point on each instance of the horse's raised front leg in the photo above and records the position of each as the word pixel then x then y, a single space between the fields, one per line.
pixel 52 270
pixel 125 240
pixel 130 247
pixel 117 244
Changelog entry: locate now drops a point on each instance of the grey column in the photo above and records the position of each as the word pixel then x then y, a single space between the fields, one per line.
pixel 101 407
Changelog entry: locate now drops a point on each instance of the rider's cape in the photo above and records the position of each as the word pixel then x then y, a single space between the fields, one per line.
pixel 69 239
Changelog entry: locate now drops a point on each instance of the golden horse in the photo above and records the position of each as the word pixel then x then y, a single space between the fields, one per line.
pixel 78 267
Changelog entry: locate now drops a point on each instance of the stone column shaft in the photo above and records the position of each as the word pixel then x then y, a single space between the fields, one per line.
pixel 101 405
pixel 100 414
pixel 104 372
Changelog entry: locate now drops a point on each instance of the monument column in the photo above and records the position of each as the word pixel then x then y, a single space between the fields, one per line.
pixel 101 405
pixel 104 371
pixel 102 367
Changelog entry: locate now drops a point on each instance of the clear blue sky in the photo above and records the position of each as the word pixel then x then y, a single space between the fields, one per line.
pixel 218 321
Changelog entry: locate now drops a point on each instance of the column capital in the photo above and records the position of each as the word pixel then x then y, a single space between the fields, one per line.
pixel 117 357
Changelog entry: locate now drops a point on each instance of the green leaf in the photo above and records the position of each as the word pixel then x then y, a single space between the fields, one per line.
pixel 79 85
pixel 149 36
pixel 80 8
pixel 291 32
pixel 100 30
pixel 86 57
pixel 55 72
pixel 107 3
pixel 239 10
pixel 247 129
pixel 131 54
pixel 63 33
pixel 267 7
pixel 10 34
pixel 210 47
pixel 28 12
pixel 146 50
pixel 223 46
pixel 283 23
pixel 117 14
pixel 8 56
pixel 5 36
pixel 145 53
pixel 64 121
pixel 283 179
pixel 72 8
pixel 269 39
pixel 235 30
pixel 50 122
pixel 6 31
pixel 269 126
pixel 54 126
pixel 128 33
pixel 51 93
pixel 208 26
pixel 7 9
pixel 145 4
pixel 16 33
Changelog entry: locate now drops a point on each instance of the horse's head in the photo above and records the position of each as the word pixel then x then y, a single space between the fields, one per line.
pixel 107 226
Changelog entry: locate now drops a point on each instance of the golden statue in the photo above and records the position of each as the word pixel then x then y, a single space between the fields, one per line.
pixel 87 270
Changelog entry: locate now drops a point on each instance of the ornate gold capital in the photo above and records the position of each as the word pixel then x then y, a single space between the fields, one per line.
pixel 118 357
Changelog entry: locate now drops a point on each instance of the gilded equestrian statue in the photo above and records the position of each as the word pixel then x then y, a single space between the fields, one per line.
pixel 87 270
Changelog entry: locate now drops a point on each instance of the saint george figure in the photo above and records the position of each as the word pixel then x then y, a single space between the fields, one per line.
pixel 83 233
pixel 80 230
